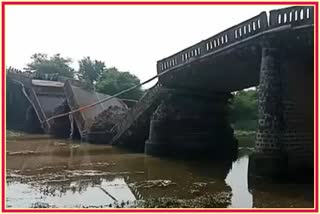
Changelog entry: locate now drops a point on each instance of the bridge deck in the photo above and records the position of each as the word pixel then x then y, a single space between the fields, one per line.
pixel 230 60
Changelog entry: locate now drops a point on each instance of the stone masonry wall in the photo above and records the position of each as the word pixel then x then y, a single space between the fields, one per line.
pixel 285 125
pixel 190 125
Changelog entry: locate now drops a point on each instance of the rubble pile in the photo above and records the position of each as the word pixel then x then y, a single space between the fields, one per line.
pixel 108 118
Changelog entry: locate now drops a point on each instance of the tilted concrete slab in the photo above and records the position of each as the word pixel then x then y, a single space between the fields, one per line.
pixel 44 96
pixel 47 97
pixel 78 95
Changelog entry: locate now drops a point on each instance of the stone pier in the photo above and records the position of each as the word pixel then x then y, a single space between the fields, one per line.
pixel 191 125
pixel 269 151
pixel 284 138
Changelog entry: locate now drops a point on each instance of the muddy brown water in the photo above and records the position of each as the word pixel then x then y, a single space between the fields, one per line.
pixel 48 172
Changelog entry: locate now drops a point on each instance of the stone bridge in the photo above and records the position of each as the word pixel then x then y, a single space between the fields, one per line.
pixel 187 111
pixel 273 51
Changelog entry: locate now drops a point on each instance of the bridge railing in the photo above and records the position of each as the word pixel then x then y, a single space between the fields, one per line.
pixel 298 15
pixel 292 15
pixel 236 33
pixel 136 111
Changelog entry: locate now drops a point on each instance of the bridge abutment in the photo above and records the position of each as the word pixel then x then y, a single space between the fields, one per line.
pixel 191 125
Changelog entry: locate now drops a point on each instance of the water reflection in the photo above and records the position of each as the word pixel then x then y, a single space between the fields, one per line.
pixel 24 195
pixel 58 173
pixel 237 179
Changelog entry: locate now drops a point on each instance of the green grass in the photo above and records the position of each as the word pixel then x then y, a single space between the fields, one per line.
pixel 245 138
pixel 245 131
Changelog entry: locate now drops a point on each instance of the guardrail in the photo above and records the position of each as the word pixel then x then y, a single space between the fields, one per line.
pixel 135 112
pixel 293 15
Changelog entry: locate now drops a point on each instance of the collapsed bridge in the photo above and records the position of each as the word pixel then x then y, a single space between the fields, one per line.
pixel 186 112
pixel 40 100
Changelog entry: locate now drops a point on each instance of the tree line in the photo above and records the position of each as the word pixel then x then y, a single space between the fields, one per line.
pixel 95 73
pixel 244 109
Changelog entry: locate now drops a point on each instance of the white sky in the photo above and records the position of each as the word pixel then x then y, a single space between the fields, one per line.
pixel 131 38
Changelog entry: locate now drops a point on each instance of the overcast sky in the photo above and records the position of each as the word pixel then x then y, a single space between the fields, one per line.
pixel 131 38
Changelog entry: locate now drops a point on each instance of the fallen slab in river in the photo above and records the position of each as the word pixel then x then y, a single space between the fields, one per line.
pixel 20 115
pixel 105 121
pixel 79 95
pixel 42 96
pixel 48 95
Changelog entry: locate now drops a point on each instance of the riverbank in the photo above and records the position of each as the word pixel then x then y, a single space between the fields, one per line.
pixel 245 138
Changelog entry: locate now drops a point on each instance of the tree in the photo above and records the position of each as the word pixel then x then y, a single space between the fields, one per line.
pixel 42 64
pixel 90 71
pixel 244 105
pixel 244 109
pixel 113 81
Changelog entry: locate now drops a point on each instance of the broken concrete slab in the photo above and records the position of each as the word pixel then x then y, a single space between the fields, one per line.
pixel 79 95
pixel 43 97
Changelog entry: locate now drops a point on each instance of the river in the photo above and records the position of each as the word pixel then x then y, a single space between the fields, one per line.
pixel 48 172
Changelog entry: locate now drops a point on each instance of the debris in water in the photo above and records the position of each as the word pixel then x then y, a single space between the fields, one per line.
pixel 59 144
pixel 23 153
pixel 200 184
pixel 153 183
pixel 108 118
pixel 218 200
